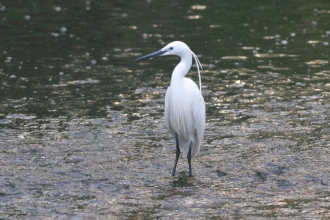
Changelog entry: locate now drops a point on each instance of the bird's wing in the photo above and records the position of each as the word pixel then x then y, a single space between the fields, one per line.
pixel 197 106
pixel 199 116
pixel 198 109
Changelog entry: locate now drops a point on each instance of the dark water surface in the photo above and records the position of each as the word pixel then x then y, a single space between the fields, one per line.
pixel 82 127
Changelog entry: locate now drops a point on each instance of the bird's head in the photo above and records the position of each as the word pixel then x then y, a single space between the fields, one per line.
pixel 177 48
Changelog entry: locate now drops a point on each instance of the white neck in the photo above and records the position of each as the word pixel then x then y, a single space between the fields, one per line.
pixel 181 69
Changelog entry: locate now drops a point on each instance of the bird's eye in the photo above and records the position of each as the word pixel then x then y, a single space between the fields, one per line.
pixel 171 48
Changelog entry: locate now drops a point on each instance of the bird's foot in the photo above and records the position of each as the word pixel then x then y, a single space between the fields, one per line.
pixel 190 173
pixel 173 172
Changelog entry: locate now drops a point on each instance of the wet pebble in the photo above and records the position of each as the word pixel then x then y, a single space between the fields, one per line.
pixel 4 122
pixel 63 29
pixel 57 9
pixel 300 84
pixel 221 173
pixel 55 34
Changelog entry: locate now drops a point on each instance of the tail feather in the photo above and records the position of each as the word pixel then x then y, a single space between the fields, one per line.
pixel 194 147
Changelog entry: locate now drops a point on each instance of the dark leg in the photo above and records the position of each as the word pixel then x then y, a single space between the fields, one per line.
pixel 189 159
pixel 177 153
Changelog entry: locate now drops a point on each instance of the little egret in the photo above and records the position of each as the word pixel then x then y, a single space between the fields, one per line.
pixel 184 103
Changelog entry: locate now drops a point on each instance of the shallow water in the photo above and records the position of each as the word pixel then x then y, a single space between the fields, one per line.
pixel 82 127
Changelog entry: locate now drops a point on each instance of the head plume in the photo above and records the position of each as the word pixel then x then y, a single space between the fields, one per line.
pixel 199 65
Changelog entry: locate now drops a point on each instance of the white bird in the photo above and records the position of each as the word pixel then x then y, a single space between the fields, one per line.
pixel 184 103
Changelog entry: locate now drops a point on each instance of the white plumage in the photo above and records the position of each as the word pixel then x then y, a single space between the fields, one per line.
pixel 184 103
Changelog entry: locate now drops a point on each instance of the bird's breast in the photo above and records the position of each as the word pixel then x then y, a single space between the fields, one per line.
pixel 180 115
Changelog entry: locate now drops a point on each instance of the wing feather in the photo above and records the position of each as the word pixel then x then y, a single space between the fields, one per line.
pixel 185 115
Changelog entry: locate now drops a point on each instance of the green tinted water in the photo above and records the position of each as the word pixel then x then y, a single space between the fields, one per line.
pixel 82 128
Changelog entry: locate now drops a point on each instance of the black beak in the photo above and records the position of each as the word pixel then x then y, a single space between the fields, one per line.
pixel 154 54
